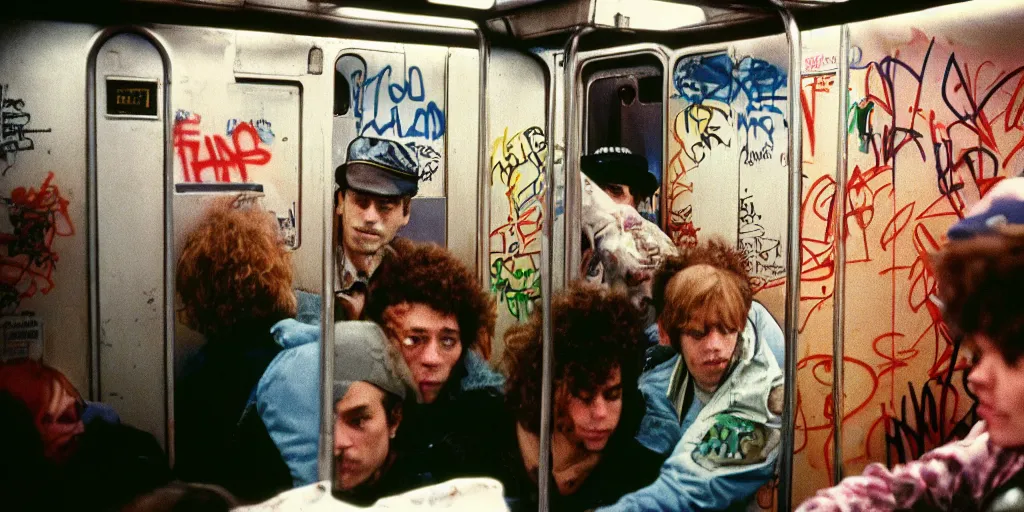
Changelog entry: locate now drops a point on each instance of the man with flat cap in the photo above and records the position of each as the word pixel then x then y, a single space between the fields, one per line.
pixel 375 187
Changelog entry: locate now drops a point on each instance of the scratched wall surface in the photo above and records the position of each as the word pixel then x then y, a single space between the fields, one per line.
pixel 518 153
pixel 937 122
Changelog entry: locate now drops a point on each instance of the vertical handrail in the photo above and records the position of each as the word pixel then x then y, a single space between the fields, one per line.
pixel 325 452
pixel 792 255
pixel 547 265
pixel 483 203
pixel 570 162
pixel 839 289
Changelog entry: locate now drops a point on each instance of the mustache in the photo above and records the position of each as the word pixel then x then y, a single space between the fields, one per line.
pixel 369 230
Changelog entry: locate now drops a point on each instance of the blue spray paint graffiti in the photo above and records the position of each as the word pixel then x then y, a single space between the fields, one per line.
pixel 755 85
pixel 374 94
pixel 263 128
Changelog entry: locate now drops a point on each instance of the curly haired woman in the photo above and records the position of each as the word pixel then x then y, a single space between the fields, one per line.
pixel 598 353
pixel 980 275
pixel 234 282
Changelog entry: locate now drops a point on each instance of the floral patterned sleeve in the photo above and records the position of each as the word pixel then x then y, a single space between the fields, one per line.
pixel 955 476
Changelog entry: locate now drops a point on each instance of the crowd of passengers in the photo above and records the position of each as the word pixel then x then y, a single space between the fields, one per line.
pixel 667 376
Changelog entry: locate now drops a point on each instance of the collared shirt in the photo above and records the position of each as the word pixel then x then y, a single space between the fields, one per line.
pixel 351 284
pixel 346 275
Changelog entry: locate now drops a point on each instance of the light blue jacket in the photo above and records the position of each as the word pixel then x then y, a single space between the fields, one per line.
pixel 693 478
pixel 287 397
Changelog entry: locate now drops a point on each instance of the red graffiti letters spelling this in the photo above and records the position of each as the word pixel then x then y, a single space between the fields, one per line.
pixel 228 161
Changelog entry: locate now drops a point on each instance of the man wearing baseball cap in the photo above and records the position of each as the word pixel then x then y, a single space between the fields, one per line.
pixel 375 187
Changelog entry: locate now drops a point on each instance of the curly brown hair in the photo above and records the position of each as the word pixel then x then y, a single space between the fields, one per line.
pixel 425 273
pixel 714 273
pixel 234 272
pixel 979 283
pixel 596 330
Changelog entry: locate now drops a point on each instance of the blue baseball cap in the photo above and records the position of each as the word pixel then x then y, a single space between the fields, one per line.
pixel 1001 211
pixel 378 166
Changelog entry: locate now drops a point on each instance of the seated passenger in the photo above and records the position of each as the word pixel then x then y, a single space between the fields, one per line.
pixel 431 307
pixel 96 465
pixel 24 471
pixel 234 281
pixel 370 384
pixel 597 407
pixel 724 390
pixel 980 275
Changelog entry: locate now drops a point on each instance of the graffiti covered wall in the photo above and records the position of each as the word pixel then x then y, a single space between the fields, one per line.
pixel 518 153
pixel 934 108
pixel 934 122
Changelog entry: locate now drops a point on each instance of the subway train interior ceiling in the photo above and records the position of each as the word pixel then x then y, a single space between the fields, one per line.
pixel 829 143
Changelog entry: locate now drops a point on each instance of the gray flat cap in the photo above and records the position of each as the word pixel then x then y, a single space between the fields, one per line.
pixel 362 353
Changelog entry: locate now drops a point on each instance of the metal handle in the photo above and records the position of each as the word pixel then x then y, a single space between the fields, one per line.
pixel 792 256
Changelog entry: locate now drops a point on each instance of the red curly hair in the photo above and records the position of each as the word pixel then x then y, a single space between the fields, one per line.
pixel 596 330
pixel 234 272
pixel 35 384
pixel 430 275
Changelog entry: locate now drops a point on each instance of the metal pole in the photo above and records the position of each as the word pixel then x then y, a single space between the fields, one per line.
pixel 839 289
pixel 547 262
pixel 483 203
pixel 325 454
pixel 792 256
pixel 570 164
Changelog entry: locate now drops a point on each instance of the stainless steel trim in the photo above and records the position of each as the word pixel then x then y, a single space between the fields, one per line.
pixel 325 454
pixel 570 161
pixel 92 214
pixel 483 203
pixel 839 289
pixel 547 262
pixel 793 266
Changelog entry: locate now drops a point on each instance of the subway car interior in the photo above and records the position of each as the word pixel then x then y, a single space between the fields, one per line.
pixel 491 190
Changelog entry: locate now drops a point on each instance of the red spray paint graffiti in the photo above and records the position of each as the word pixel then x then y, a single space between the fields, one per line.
pixel 229 162
pixel 28 259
